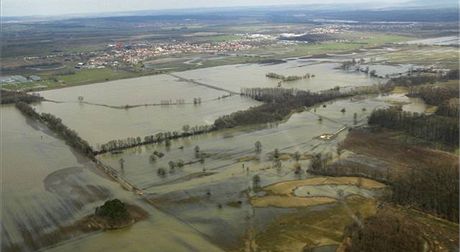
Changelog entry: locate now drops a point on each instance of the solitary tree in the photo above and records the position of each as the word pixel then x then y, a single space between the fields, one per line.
pixel 167 142
pixel 197 151
pixel 202 157
pixel 172 165
pixel 122 163
pixel 153 158
pixel 256 181
pixel 161 172
pixel 297 156
pixel 258 146
pixel 186 128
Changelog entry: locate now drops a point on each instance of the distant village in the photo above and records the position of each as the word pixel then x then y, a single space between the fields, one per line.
pixel 131 54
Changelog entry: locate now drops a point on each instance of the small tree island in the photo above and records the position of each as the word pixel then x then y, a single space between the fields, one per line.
pixel 113 214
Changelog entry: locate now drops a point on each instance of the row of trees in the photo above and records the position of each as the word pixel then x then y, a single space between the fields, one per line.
pixel 280 102
pixel 9 97
pixel 160 137
pixel 70 136
pixel 289 78
pixel 430 127
pixel 424 78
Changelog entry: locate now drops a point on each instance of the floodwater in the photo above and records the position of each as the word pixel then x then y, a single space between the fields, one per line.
pixel 226 148
pixel 100 118
pixel 44 183
pixel 134 91
pixel 409 104
pixel 97 121
pixel 98 124
pixel 235 77
pixel 202 206
pixel 211 195
pixel 447 40
pixel 46 186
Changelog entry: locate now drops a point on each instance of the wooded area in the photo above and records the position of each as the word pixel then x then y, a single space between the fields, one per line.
pixel 435 128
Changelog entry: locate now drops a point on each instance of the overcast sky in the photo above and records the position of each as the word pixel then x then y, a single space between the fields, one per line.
pixel 63 7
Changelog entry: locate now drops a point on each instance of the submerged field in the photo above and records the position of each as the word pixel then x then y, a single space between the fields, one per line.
pixel 47 187
pixel 148 105
pixel 155 104
pixel 214 191
pixel 220 193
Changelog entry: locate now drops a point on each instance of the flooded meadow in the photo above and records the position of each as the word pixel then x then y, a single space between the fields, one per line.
pixel 46 187
pixel 207 192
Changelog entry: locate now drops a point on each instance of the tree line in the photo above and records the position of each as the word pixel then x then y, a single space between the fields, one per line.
pixel 424 78
pixel 290 77
pixel 429 127
pixel 70 136
pixel 9 97
pixel 280 102
pixel 161 137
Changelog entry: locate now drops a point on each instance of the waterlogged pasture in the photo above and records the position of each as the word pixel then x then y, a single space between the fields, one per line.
pixel 214 195
pixel 98 124
pixel 235 77
pixel 232 147
pixel 135 91
pixel 102 117
pixel 46 187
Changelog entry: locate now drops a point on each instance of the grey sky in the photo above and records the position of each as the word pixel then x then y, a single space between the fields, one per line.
pixel 62 7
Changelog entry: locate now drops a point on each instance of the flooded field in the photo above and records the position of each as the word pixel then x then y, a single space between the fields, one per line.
pixel 447 40
pixel 204 193
pixel 136 91
pixel 235 77
pixel 230 148
pixel 46 187
pixel 102 116
pixel 99 125
pixel 219 187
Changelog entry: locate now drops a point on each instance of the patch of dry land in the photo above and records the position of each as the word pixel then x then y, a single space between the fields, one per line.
pixel 93 223
pixel 282 194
